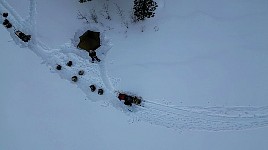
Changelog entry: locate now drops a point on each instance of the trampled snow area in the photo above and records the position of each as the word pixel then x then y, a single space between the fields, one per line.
pixel 199 66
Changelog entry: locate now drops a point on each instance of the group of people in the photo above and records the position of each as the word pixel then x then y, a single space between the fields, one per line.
pixel 6 22
pixel 75 78
pixel 128 99
pixel 93 89
pixel 21 35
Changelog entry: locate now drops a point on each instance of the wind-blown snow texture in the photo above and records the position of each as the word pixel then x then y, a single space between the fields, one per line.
pixel 171 116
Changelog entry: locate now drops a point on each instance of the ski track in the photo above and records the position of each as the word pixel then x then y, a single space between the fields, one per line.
pixel 176 117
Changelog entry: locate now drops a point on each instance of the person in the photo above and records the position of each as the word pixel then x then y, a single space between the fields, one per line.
pixel 69 63
pixel 100 91
pixel 74 78
pixel 58 67
pixel 81 72
pixel 93 56
pixel 128 100
pixel 92 88
pixel 136 100
pixel 7 24
pixel 5 15
pixel 23 36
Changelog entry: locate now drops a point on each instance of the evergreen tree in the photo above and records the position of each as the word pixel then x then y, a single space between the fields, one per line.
pixel 144 9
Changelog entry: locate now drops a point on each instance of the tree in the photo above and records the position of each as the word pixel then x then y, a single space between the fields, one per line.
pixel 144 9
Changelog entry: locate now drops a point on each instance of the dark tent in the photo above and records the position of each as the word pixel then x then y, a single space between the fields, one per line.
pixel 90 40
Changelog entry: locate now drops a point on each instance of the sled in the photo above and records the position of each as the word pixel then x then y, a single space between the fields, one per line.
pixel 129 99
pixel 22 36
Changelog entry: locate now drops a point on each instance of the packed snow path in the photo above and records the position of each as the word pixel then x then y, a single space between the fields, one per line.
pixel 176 117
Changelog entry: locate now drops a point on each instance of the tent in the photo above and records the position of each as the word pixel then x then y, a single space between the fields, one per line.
pixel 90 40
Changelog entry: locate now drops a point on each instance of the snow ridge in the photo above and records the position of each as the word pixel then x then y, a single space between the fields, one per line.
pixel 176 117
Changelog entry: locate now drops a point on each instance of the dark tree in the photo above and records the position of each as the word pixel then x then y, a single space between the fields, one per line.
pixel 144 9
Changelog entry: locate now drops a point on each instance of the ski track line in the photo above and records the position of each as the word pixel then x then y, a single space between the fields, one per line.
pixel 179 118
pixel 189 120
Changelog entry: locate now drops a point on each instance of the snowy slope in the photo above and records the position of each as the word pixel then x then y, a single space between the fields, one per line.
pixel 196 118
pixel 54 115
pixel 208 63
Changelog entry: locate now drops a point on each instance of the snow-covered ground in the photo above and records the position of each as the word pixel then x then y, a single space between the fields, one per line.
pixel 200 66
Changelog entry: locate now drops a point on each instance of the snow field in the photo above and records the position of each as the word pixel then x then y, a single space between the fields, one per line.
pixel 176 117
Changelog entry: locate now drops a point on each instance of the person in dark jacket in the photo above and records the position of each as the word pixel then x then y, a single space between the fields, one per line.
pixel 69 63
pixel 92 88
pixel 5 15
pixel 100 91
pixel 7 24
pixel 74 78
pixel 93 56
pixel 58 67
pixel 127 99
